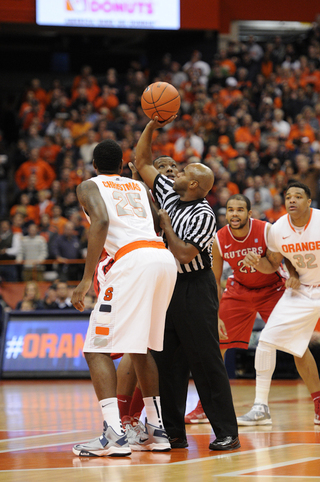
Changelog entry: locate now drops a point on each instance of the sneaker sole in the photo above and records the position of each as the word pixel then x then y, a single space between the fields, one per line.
pixel 316 421
pixel 155 447
pixel 254 422
pixel 111 452
pixel 197 420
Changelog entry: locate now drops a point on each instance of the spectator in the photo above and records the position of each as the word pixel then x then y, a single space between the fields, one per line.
pixel 281 126
pixel 67 247
pixel 33 250
pixel 258 204
pixel 58 221
pixel 35 165
pixel 80 129
pixel 264 192
pixel 195 142
pixel 18 223
pixel 24 207
pixel 49 151
pixel 48 231
pixel 86 149
pixel 49 301
pixel 63 299
pixel 70 204
pixel 9 248
pixel 308 174
pixel 32 295
pixel 277 209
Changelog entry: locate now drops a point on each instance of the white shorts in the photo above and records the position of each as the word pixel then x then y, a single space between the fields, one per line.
pixel 293 319
pixel 130 312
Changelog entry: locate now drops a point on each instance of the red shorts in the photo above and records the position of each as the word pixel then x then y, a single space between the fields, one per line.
pixel 239 307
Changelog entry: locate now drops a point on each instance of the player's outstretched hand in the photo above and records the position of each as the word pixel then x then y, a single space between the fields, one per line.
pixel 251 259
pixel 156 124
pixel 223 335
pixel 79 293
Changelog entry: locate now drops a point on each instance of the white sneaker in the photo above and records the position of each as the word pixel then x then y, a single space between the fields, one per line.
pixel 110 443
pixel 258 415
pixel 147 437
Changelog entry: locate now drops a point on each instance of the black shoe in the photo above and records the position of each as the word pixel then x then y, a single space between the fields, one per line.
pixel 226 443
pixel 178 442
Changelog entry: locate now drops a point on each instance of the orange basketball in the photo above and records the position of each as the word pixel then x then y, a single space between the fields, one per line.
pixel 160 99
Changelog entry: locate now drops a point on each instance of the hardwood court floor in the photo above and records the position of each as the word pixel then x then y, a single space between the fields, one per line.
pixel 41 420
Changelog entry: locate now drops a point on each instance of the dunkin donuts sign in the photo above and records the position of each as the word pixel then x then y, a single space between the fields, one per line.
pixel 148 14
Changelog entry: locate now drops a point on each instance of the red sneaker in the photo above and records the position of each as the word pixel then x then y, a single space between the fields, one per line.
pixel 197 415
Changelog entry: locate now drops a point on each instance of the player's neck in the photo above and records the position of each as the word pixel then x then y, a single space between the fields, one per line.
pixel 240 233
pixel 302 220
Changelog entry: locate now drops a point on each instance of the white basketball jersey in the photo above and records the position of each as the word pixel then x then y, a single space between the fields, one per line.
pixel 130 216
pixel 303 250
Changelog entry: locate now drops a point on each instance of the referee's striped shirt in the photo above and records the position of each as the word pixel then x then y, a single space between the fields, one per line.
pixel 193 221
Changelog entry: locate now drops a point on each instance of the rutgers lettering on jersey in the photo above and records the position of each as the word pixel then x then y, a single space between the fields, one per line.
pixel 234 250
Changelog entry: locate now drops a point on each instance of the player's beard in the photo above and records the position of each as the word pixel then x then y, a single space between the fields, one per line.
pixel 241 225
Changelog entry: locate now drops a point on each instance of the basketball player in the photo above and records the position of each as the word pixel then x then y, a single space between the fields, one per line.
pixel 296 237
pixel 130 312
pixel 247 292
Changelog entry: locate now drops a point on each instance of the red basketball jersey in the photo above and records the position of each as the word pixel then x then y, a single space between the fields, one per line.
pixel 233 251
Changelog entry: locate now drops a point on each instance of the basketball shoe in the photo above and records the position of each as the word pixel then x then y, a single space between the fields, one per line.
pixel 258 415
pixel 147 437
pixel 197 415
pixel 110 443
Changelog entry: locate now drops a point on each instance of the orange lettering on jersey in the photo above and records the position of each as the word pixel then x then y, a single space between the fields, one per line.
pixel 295 248
pixel 108 294
pixel 129 186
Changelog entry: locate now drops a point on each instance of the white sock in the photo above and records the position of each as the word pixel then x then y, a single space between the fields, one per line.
pixel 265 363
pixel 153 411
pixel 110 412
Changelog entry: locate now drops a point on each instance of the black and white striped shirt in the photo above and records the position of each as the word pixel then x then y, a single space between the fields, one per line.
pixel 193 221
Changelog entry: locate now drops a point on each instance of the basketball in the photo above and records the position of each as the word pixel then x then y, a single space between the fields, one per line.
pixel 160 99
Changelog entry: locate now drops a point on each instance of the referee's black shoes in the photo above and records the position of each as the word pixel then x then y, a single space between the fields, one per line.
pixel 226 443
pixel 178 442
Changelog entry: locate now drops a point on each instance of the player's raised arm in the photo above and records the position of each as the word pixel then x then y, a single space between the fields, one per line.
pixel 143 160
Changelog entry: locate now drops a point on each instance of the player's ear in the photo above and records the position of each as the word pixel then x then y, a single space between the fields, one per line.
pixel 121 166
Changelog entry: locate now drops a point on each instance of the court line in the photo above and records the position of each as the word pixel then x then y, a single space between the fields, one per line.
pixel 267 467
pixel 29 437
pixel 182 462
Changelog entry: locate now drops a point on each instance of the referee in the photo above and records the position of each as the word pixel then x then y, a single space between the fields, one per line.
pixel 191 340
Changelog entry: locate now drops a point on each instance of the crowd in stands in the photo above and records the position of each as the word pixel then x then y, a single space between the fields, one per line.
pixel 251 113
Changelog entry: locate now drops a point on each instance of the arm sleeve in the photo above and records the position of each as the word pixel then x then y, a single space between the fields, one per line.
pixel 201 231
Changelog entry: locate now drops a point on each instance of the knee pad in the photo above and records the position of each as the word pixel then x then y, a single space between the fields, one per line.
pixel 265 358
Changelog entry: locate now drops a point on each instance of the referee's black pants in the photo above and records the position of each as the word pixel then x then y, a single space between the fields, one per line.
pixel 191 342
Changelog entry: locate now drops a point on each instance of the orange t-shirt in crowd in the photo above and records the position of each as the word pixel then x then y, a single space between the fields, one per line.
pixel 58 224
pixel 43 171
pixel 273 215
pixel 30 212
pixel 49 153
pixel 79 132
